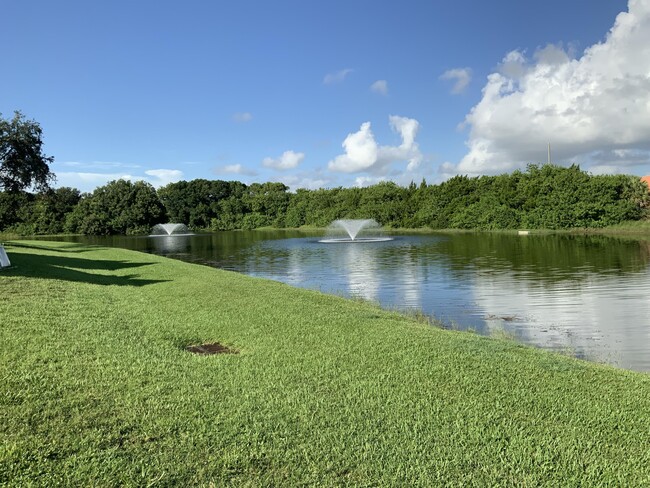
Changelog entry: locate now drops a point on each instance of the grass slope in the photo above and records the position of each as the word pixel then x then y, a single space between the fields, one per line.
pixel 96 388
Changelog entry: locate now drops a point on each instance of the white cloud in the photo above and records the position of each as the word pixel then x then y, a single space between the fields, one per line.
pixel 363 181
pixel 237 169
pixel 336 77
pixel 461 78
pixel 309 181
pixel 583 107
pixel 362 153
pixel 242 117
pixel 87 182
pixel 380 87
pixel 162 177
pixel 288 160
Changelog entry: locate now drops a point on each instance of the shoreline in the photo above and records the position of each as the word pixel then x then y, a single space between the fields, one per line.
pixel 639 229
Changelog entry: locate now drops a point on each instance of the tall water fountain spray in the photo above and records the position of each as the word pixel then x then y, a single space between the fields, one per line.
pixel 353 227
pixel 357 230
pixel 170 229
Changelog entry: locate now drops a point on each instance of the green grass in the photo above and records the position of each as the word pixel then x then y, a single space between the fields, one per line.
pixel 96 388
pixel 640 227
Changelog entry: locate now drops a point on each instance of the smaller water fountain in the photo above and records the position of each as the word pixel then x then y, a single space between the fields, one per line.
pixel 355 230
pixel 170 229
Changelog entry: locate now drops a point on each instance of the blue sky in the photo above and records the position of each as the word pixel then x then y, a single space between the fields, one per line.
pixel 325 94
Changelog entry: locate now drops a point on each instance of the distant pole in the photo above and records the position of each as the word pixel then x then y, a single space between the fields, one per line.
pixel 549 153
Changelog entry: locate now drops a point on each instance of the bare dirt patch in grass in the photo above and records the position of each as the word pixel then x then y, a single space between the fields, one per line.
pixel 210 348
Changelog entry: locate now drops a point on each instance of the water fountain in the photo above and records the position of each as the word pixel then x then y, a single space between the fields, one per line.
pixel 170 229
pixel 356 230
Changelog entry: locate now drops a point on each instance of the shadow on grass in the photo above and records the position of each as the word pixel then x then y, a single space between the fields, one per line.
pixel 75 269
pixel 67 247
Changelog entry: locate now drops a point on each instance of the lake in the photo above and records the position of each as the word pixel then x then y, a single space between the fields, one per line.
pixel 588 296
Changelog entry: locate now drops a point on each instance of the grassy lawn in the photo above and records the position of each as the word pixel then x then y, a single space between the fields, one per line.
pixel 97 389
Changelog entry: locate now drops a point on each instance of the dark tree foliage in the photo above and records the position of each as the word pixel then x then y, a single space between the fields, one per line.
pixel 12 209
pixel 22 162
pixel 198 203
pixel 45 213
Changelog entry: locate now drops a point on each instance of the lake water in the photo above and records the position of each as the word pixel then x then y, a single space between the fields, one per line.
pixel 588 296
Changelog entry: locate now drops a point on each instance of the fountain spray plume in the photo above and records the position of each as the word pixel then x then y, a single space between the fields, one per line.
pixel 170 229
pixel 354 228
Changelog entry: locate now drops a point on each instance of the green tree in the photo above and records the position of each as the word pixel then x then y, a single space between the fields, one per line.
pixel 200 203
pixel 268 203
pixel 48 211
pixel 323 206
pixel 451 197
pixel 297 208
pixel 119 207
pixel 13 208
pixel 384 202
pixel 22 162
pixel 230 213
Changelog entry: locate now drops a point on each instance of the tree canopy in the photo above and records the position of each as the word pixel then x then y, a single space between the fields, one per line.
pixel 119 207
pixel 22 162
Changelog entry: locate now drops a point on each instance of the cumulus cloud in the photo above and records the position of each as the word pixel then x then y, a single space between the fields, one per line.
pixel 161 177
pixel 288 160
pixel 336 77
pixel 461 78
pixel 236 169
pixel 364 181
pixel 380 87
pixel 362 153
pixel 309 181
pixel 586 106
pixel 242 117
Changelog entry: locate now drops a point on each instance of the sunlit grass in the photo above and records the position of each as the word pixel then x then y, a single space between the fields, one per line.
pixel 633 226
pixel 97 388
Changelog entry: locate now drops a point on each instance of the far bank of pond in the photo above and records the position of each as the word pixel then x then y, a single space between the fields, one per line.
pixel 583 295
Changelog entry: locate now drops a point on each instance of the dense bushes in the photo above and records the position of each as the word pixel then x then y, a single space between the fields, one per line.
pixel 42 213
pixel 549 197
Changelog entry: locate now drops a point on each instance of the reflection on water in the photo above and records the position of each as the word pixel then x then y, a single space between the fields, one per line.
pixel 585 295
pixel 361 271
pixel 170 244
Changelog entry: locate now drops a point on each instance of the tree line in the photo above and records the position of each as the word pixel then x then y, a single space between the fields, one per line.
pixel 540 197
